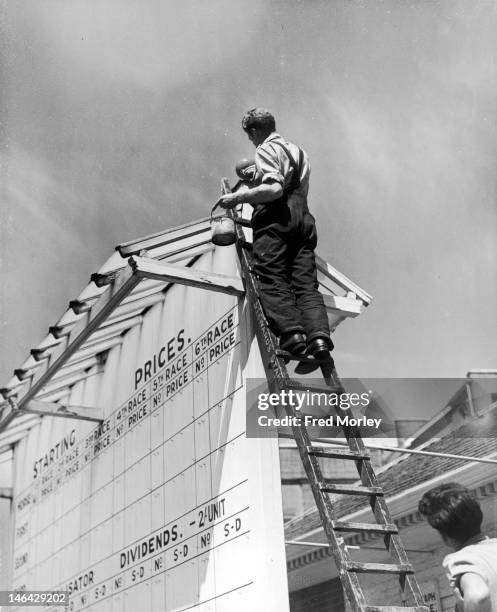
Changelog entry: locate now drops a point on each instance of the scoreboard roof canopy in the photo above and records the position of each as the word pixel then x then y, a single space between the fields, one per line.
pixel 134 278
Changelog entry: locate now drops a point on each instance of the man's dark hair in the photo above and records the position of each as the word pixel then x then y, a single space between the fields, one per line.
pixel 452 510
pixel 260 119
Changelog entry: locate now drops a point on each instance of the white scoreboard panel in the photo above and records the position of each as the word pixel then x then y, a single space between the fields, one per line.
pixel 165 505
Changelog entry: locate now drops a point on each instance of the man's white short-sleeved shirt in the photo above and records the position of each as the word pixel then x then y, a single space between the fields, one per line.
pixel 479 558
pixel 272 163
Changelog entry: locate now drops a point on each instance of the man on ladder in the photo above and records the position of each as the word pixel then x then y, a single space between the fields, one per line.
pixel 284 239
pixel 286 288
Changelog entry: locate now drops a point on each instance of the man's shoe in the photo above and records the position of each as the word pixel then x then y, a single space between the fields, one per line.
pixel 306 367
pixel 293 342
pixel 319 348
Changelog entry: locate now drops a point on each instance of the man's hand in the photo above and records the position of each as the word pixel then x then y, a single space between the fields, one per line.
pixel 229 200
pixel 267 192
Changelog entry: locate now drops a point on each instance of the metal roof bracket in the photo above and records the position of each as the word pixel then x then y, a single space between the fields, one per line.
pixel 55 409
pixel 144 267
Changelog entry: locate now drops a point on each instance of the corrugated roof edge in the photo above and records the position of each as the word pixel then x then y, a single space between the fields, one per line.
pixel 156 241
pixel 133 247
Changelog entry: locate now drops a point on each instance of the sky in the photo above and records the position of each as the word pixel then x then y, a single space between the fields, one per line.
pixel 120 117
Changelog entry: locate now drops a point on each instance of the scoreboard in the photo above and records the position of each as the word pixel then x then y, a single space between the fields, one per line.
pixel 165 505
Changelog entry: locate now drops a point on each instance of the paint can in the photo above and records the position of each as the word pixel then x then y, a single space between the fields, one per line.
pixel 222 229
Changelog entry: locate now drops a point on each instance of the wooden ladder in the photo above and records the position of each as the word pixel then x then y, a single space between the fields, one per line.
pixel 278 379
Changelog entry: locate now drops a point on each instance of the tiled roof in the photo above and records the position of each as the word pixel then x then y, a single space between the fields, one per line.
pixel 477 438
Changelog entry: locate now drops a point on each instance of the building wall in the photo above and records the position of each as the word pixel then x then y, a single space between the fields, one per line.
pixel 429 574
pixel 324 597
pixel 379 589
pixel 5 522
pixel 5 543
pixel 148 510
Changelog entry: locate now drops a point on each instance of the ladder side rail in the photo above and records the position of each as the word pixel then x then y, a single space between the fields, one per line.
pixel 379 505
pixel 277 376
pixel 278 380
pixel 350 581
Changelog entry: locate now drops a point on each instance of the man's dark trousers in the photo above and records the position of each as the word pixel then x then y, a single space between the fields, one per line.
pixel 284 239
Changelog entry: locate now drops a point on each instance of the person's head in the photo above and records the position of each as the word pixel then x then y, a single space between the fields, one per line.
pixel 245 169
pixel 258 123
pixel 453 511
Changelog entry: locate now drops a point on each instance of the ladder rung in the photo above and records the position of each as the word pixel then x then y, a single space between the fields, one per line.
pixel 396 609
pixel 243 222
pixel 378 568
pixel 330 487
pixel 364 527
pixel 338 453
pixel 302 357
pixel 298 357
